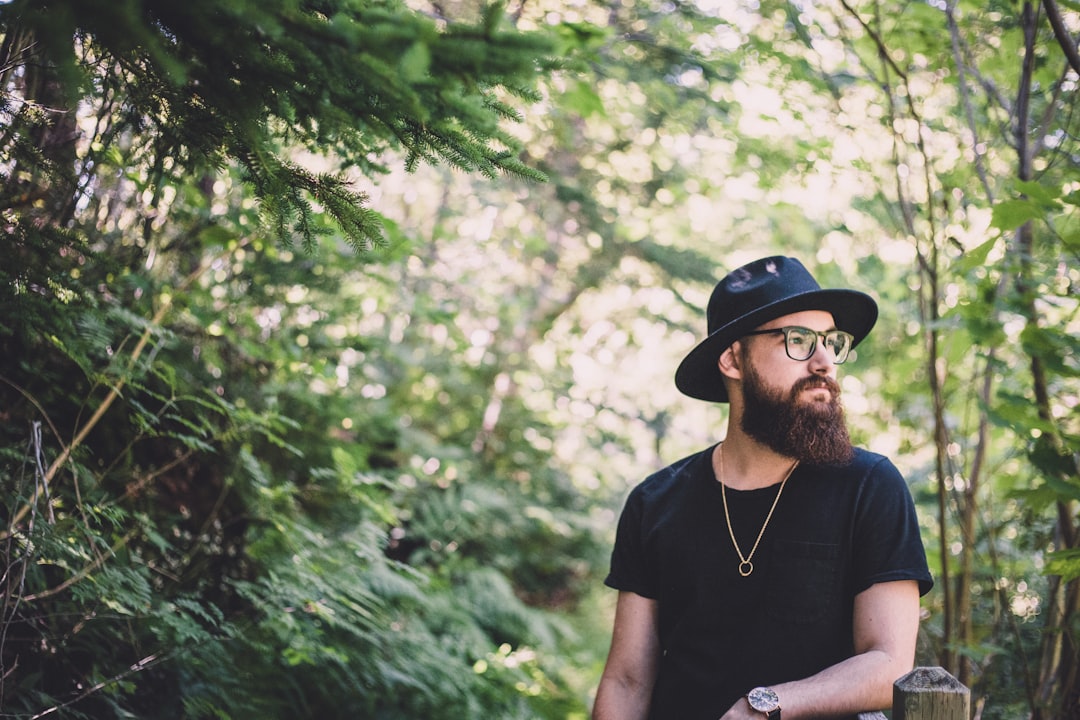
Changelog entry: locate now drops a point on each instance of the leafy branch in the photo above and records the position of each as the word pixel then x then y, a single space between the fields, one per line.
pixel 114 393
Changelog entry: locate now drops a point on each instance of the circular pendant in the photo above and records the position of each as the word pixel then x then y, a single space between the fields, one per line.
pixel 746 567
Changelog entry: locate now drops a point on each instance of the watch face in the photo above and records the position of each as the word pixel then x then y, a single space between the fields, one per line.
pixel 763 699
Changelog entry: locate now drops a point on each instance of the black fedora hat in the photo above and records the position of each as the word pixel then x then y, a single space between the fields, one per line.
pixel 753 295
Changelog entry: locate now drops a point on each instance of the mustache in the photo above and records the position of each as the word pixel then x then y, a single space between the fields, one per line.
pixel 817 381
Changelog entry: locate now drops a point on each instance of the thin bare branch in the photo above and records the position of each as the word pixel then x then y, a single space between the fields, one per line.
pixel 85 572
pixel 144 664
pixel 965 98
pixel 1061 33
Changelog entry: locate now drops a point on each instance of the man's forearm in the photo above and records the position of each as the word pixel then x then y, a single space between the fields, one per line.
pixel 616 700
pixel 859 684
pixel 626 684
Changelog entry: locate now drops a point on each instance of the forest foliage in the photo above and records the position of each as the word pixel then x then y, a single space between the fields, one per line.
pixel 333 334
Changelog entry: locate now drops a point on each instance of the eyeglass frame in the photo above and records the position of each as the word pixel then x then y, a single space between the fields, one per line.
pixel 823 336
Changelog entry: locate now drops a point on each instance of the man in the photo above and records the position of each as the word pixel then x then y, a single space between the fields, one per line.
pixel 780 570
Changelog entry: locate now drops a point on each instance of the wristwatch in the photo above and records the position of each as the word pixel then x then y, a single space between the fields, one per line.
pixel 765 700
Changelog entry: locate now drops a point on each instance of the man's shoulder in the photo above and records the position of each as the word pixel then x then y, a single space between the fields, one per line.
pixel 871 475
pixel 867 461
pixel 671 477
pixel 864 462
pixel 865 468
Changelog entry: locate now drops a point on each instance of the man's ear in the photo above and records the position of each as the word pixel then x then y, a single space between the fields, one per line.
pixel 730 362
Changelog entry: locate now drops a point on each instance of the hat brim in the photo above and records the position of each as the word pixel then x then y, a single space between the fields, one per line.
pixel 698 374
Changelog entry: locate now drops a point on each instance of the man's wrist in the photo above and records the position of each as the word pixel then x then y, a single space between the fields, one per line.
pixel 765 700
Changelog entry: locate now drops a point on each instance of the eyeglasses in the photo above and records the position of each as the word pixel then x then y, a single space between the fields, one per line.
pixel 800 342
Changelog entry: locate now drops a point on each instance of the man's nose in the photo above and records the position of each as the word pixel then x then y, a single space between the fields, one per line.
pixel 822 361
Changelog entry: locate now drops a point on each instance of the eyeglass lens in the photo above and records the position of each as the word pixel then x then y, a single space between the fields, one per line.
pixel 800 343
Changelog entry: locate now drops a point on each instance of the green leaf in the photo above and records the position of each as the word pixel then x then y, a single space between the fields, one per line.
pixel 975 257
pixel 1010 214
pixel 1039 193
pixel 1065 563
pixel 582 98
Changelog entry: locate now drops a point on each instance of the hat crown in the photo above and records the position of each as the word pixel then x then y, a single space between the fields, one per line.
pixel 757 285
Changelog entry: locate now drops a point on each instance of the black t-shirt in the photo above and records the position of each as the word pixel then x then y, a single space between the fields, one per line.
pixel 836 531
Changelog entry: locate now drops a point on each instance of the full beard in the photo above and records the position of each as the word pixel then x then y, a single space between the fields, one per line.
pixel 814 432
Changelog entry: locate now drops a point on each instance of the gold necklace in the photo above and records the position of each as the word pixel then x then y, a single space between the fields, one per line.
pixel 745 566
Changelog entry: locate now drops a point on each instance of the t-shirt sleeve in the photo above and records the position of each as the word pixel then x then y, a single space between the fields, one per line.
pixel 629 569
pixel 887 543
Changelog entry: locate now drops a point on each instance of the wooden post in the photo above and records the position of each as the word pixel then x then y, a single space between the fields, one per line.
pixel 930 693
